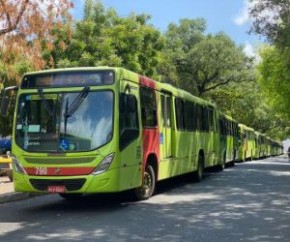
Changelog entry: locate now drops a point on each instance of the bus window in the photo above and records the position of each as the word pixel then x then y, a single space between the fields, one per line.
pixel 148 107
pixel 129 128
pixel 179 110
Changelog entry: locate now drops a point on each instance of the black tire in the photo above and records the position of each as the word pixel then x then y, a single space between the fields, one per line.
pixel 232 163
pixel 71 196
pixel 222 166
pixel 147 188
pixel 198 175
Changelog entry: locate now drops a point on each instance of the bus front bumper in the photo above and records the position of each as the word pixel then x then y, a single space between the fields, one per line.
pixel 102 183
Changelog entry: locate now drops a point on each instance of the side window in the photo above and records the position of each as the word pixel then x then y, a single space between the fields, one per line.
pixel 198 117
pixel 222 126
pixel 179 110
pixel 205 121
pixel 189 115
pixel 210 119
pixel 148 107
pixel 163 108
pixel 166 111
pixel 128 117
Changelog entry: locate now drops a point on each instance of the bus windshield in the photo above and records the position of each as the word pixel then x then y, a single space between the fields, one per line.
pixel 64 122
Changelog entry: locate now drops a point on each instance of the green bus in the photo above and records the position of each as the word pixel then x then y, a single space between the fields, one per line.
pixel 229 144
pixel 104 130
pixel 261 145
pixel 247 144
pixel 276 148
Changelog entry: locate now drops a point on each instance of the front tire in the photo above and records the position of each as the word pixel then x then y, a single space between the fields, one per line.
pixel 147 188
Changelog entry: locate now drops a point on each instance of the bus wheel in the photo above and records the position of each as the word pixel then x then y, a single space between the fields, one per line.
pixel 198 175
pixel 71 196
pixel 222 166
pixel 148 186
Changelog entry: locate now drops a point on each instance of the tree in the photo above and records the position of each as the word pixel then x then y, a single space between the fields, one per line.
pixel 215 61
pixel 29 17
pixel 104 38
pixel 186 34
pixel 25 28
pixel 272 20
pixel 275 78
pixel 204 63
pixel 247 104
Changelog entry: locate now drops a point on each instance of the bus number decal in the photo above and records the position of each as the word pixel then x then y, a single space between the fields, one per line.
pixel 40 171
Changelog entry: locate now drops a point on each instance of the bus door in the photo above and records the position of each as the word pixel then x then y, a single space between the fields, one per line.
pixel 166 126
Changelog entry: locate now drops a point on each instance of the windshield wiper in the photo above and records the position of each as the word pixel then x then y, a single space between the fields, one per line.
pixel 47 106
pixel 76 102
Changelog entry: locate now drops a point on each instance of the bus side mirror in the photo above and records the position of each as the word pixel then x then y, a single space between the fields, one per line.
pixel 5 100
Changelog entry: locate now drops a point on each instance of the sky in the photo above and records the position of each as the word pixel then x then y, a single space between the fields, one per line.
pixel 229 16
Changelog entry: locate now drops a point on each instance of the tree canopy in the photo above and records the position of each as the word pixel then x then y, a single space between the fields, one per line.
pixel 271 18
pixel 203 62
pixel 26 26
pixel 104 38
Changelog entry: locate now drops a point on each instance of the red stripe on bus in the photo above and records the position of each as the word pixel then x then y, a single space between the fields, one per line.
pixel 151 144
pixel 59 171
pixel 145 81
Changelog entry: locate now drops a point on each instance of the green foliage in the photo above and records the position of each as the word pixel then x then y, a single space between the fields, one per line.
pixel 185 35
pixel 247 104
pixel 202 62
pixel 275 78
pixel 272 20
pixel 214 62
pixel 179 39
pixel 104 38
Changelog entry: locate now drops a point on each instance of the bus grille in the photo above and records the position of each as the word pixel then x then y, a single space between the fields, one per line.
pixel 60 160
pixel 70 184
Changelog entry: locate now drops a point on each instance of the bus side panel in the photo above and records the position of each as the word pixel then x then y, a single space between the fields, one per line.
pixel 185 152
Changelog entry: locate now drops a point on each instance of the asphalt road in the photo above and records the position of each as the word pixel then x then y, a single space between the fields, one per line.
pixel 249 202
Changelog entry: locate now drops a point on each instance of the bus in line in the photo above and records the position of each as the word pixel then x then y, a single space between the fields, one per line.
pixel 229 139
pixel 104 130
pixel 247 142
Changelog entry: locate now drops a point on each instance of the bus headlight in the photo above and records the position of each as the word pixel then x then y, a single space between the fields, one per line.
pixel 17 166
pixel 104 165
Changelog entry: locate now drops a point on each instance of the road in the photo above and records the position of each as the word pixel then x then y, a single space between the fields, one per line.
pixel 249 202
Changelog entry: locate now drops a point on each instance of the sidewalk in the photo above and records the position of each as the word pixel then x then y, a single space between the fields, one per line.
pixel 7 193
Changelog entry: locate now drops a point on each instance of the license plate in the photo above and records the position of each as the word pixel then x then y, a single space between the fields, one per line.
pixel 56 189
